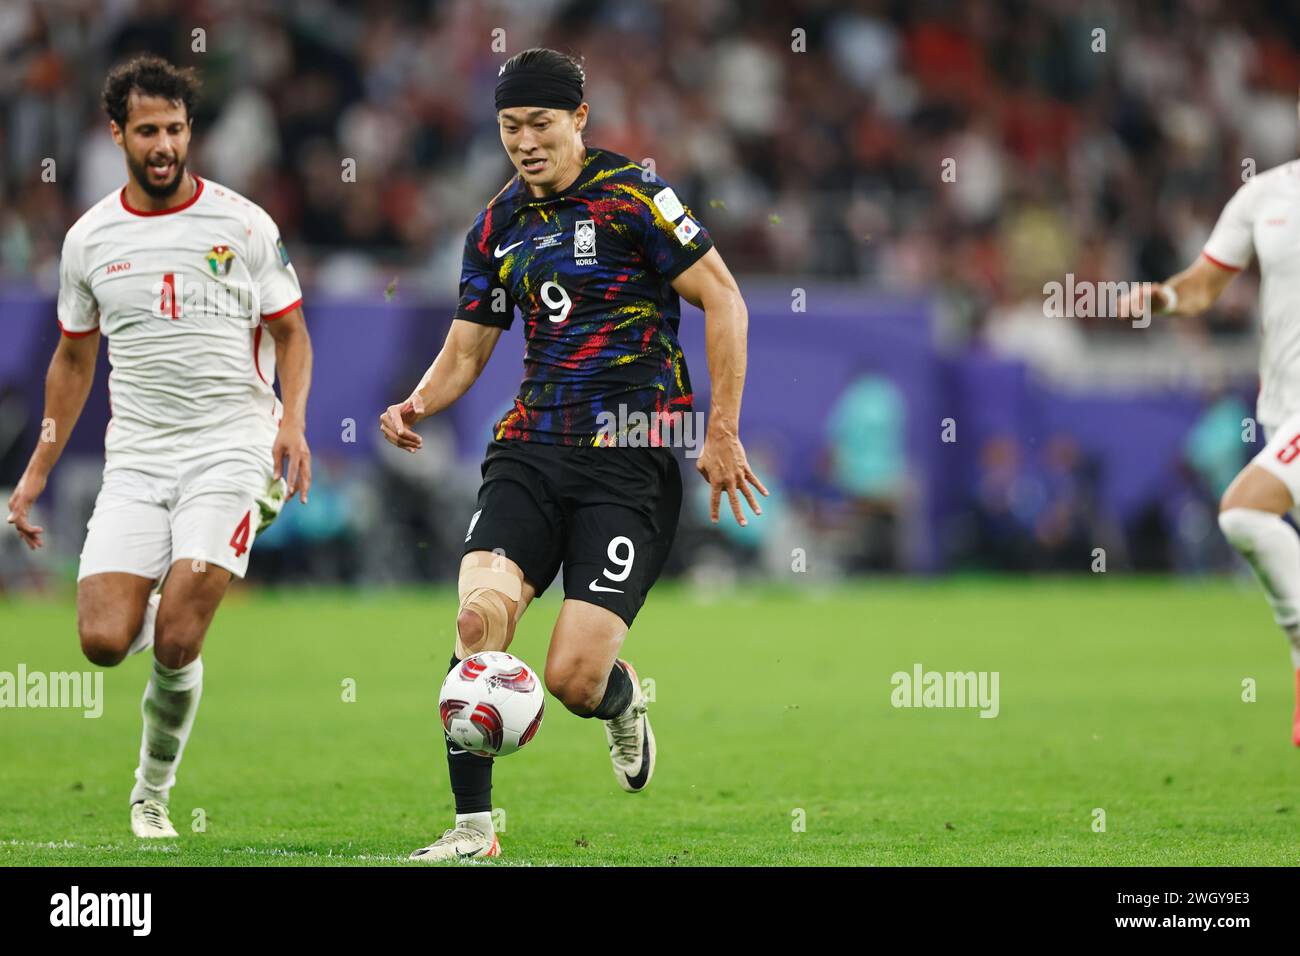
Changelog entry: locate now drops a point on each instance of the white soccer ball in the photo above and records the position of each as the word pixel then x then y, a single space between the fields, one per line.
pixel 491 704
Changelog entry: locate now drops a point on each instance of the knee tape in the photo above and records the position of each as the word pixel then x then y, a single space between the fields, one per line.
pixel 483 590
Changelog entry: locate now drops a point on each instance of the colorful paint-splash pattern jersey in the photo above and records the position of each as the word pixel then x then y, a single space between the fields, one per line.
pixel 590 269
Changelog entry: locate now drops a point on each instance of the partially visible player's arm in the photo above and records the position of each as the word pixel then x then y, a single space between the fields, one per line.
pixel 1228 249
pixel 67 383
pixel 293 366
pixel 1189 292
pixel 466 351
pixel 708 284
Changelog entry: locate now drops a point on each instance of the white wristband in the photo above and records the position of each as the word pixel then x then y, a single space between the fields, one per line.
pixel 1171 299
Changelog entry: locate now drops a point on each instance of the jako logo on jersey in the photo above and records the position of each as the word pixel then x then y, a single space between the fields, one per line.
pixel 117 267
pixel 220 259
pixel 584 242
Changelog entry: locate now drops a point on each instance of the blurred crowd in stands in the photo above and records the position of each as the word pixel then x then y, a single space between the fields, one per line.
pixel 1097 138
pixel 969 149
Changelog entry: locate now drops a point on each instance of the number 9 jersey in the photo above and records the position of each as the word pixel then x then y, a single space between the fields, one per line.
pixel 590 270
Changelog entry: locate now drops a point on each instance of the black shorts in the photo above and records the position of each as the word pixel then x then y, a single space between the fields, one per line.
pixel 607 514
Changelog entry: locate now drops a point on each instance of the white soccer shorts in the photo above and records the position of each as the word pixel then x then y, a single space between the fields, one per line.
pixel 147 518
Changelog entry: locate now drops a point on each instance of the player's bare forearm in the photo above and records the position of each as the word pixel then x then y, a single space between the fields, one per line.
pixel 293 361
pixel 726 330
pixel 457 366
pixel 1189 292
pixel 1199 286
pixel 709 285
pixel 67 385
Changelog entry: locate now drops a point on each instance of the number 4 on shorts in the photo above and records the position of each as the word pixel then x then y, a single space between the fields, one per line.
pixel 1288 452
pixel 239 540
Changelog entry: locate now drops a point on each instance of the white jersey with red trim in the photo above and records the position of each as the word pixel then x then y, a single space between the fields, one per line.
pixel 1263 220
pixel 182 296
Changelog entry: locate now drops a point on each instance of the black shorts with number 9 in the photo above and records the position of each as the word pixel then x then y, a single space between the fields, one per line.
pixel 608 515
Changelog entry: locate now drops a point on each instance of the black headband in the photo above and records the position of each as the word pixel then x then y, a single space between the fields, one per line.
pixel 537 88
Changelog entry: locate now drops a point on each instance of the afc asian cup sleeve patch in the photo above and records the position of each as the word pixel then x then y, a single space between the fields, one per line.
pixel 669 206
pixel 284 253
pixel 686 230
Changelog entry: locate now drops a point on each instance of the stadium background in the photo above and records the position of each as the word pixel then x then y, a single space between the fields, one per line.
pixel 819 174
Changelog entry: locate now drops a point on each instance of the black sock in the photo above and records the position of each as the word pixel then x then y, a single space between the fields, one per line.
pixel 618 694
pixel 471 775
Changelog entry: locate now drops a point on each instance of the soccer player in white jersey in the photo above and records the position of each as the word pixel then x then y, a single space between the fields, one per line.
pixel 192 287
pixel 1262 220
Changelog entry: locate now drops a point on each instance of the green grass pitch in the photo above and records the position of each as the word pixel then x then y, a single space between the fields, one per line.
pixel 771 706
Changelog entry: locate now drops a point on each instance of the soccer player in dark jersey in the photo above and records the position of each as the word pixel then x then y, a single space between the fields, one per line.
pixel 594 250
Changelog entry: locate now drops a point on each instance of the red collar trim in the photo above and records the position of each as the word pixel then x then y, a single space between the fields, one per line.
pixel 198 191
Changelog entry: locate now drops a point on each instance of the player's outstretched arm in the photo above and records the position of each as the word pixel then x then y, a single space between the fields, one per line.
pixel 67 384
pixel 1189 292
pixel 709 285
pixel 293 359
pixel 458 365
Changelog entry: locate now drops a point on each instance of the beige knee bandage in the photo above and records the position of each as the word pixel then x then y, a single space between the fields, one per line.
pixel 483 591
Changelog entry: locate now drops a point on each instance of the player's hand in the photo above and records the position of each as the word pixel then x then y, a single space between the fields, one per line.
pixel 398 421
pixel 724 466
pixel 20 503
pixel 1137 302
pixel 291 449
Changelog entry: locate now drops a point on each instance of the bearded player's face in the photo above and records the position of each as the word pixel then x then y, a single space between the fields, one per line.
pixel 156 142
pixel 543 144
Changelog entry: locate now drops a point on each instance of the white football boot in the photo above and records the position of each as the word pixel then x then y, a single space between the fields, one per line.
pixel 149 820
pixel 271 502
pixel 631 741
pixel 464 842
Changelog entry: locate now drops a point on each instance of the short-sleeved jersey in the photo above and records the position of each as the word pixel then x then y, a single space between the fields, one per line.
pixel 1263 220
pixel 590 270
pixel 182 296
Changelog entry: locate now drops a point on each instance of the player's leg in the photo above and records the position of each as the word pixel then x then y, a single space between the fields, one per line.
pixel 615 554
pixel 213 525
pixel 580 662
pixel 584 672
pixel 111 610
pixel 190 597
pixel 1251 516
pixel 494 594
pixel 512 552
pixel 127 549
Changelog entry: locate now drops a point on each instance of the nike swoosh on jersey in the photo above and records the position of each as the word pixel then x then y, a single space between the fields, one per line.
pixel 598 587
pixel 499 252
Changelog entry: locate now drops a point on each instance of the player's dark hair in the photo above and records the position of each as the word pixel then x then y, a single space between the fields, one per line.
pixel 149 75
pixel 543 59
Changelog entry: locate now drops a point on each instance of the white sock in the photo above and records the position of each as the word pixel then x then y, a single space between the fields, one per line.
pixel 1273 550
pixel 170 702
pixel 144 640
pixel 479 821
